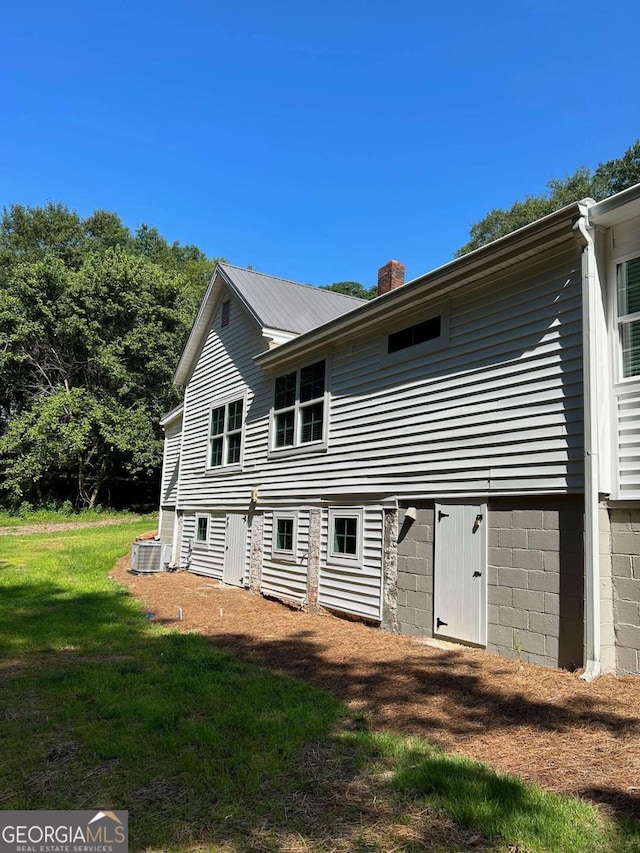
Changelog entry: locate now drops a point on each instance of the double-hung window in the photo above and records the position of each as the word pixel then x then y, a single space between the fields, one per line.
pixel 299 407
pixel 225 434
pixel 629 316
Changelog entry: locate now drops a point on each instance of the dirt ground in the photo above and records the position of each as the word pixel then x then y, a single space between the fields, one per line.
pixel 57 526
pixel 542 724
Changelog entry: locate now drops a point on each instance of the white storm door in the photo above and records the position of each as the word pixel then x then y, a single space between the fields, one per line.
pixel 460 572
pixel 235 549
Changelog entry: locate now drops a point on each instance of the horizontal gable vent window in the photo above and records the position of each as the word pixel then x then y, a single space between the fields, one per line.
pixel 420 333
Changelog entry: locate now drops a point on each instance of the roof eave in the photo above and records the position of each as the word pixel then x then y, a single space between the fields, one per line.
pixel 173 415
pixel 622 205
pixel 527 241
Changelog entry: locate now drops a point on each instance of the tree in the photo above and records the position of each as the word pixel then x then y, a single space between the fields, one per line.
pixel 92 323
pixel 609 178
pixel 351 288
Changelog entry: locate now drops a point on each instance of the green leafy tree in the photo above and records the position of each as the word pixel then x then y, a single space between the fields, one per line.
pixel 92 323
pixel 609 178
pixel 351 288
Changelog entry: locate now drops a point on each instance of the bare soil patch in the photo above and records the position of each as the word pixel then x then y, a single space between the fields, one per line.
pixel 60 526
pixel 542 724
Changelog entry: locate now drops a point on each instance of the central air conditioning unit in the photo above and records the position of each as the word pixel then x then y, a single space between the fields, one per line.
pixel 150 556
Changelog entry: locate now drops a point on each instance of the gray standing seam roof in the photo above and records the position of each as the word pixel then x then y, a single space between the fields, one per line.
pixel 286 305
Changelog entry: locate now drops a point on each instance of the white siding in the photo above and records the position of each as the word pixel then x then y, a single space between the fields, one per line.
pixel 207 559
pixel 625 243
pixel 171 463
pixel 355 590
pixel 282 579
pixel 225 370
pixel 498 410
pixel 629 443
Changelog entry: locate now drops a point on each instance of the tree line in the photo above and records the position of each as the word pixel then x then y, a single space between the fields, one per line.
pixel 93 319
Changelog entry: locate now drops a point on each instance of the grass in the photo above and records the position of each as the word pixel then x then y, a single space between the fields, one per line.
pixel 28 515
pixel 99 706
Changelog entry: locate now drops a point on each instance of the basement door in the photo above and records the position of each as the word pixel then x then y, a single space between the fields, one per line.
pixel 235 549
pixel 460 572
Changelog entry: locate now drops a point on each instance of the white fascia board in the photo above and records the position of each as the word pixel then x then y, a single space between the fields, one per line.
pixel 194 343
pixel 276 337
pixel 202 323
pixel 173 415
pixel 551 230
pixel 621 206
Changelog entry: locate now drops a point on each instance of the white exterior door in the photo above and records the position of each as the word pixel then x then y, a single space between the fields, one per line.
pixel 235 549
pixel 460 572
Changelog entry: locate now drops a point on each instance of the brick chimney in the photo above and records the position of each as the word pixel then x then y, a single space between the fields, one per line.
pixel 390 276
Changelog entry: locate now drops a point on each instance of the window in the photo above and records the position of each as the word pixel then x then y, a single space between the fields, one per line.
pixel 629 316
pixel 285 536
pixel 420 333
pixel 345 536
pixel 299 406
pixel 225 434
pixel 202 529
pixel 226 312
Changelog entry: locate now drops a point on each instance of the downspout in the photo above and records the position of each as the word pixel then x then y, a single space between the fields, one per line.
pixel 585 236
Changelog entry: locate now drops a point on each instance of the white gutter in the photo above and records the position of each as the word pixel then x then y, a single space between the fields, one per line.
pixel 591 462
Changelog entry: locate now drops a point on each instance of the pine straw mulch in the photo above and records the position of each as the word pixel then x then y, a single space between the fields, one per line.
pixel 544 725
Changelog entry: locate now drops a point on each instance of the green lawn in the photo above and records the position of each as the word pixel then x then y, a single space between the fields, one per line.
pixel 100 707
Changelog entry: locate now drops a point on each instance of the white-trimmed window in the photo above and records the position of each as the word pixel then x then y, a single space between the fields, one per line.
pixel 202 531
pixel 285 536
pixel 225 434
pixel 629 316
pixel 299 407
pixel 410 340
pixel 345 536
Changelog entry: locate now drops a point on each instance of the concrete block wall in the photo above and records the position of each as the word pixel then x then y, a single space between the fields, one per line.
pixel 536 580
pixel 415 572
pixel 625 568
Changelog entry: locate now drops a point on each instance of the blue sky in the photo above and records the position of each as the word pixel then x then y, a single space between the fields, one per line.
pixel 313 140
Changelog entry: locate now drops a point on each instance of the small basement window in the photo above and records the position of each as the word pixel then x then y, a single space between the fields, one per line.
pixel 345 536
pixel 285 536
pixel 202 529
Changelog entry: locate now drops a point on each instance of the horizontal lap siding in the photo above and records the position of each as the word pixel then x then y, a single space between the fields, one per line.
pixel 499 408
pixel 283 579
pixel 209 561
pixel 224 370
pixel 629 443
pixel 354 590
pixel 170 465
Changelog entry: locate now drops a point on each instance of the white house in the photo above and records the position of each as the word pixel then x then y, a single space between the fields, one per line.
pixel 459 457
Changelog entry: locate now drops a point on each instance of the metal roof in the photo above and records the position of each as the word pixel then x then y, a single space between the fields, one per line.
pixel 285 305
